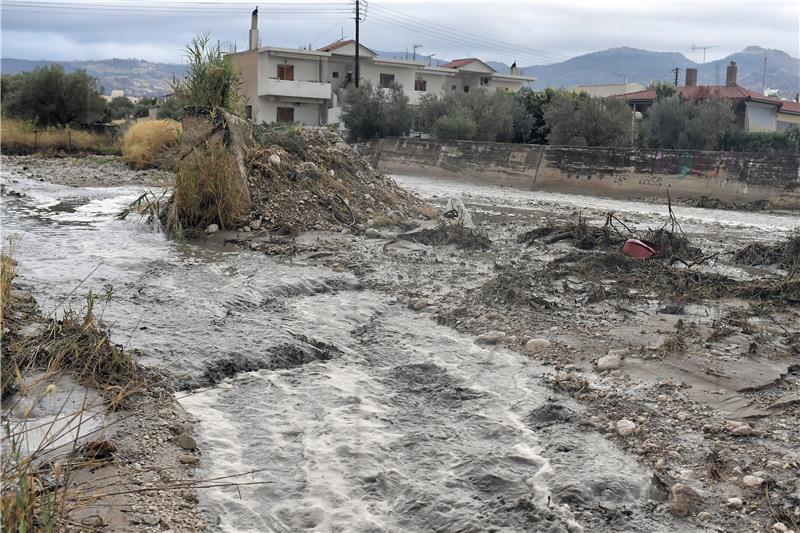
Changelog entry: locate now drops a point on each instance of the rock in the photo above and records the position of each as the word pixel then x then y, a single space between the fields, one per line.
pixel 625 427
pixel 490 337
pixel 332 173
pixel 212 228
pixel 189 496
pixel 94 522
pixel 150 520
pixel 274 160
pixel 346 231
pixel 683 499
pixel 186 441
pixel 255 225
pixel 742 430
pixel 99 449
pixel 779 526
pixel 610 361
pixel 574 527
pixel 735 503
pixel 189 459
pixel 752 481
pixel 510 340
pixel 372 233
pixel 537 345
pixel 245 229
pixel 491 315
pixel 705 516
pixel 418 305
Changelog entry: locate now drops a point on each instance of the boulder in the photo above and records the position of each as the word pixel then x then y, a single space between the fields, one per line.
pixel 611 361
pixel 625 427
pixel 537 345
pixel 490 337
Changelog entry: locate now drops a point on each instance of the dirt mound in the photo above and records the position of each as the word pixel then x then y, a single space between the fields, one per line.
pixel 304 178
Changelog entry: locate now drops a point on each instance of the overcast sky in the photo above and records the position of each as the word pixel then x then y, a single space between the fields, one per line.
pixel 531 32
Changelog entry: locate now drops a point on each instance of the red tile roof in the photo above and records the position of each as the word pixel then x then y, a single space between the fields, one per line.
pixel 458 63
pixel 692 92
pixel 787 106
pixel 334 45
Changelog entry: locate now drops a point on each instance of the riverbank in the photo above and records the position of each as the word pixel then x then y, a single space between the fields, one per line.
pixel 108 457
pixel 384 382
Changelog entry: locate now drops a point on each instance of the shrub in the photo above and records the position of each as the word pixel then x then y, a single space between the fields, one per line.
pixel 146 141
pixel 454 127
pixel 19 137
pixel 370 113
pixel 205 193
pixel 580 120
pixel 211 80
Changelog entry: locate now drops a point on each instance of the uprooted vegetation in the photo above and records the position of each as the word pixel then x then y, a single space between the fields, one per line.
pixel 784 254
pixel 148 143
pixel 449 233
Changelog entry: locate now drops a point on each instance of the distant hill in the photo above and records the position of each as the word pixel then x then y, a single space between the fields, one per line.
pixel 136 77
pixel 615 65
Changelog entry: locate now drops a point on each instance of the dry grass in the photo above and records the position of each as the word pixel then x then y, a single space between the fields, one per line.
pixel 146 142
pixel 206 192
pixel 8 271
pixel 19 138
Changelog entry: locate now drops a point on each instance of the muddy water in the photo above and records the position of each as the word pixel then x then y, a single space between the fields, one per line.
pixel 402 426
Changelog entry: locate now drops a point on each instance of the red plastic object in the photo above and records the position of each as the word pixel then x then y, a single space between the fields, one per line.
pixel 640 249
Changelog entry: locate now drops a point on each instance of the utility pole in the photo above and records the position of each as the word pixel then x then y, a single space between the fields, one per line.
pixel 676 70
pixel 358 43
pixel 415 50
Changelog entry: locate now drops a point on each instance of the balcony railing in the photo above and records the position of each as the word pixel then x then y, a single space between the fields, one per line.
pixel 294 88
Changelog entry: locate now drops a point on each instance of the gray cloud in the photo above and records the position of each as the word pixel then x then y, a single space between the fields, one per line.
pixel 541 32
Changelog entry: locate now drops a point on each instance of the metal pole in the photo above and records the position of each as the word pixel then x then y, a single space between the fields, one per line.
pixel 358 42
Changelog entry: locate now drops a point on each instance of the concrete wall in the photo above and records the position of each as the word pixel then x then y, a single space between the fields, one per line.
pixel 618 172
pixel 306 113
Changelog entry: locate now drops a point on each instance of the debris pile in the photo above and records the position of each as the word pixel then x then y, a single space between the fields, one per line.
pixel 785 254
pixel 310 178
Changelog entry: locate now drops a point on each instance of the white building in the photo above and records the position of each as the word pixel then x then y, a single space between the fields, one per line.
pixel 306 86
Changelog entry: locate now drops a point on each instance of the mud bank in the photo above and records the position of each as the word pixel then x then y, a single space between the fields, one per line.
pixel 382 383
pixel 88 171
pixel 113 459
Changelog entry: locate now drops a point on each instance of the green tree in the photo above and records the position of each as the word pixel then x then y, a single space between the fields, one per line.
pixel 454 127
pixel 663 89
pixel 171 108
pixel 50 97
pixel 495 114
pixel 673 122
pixel 529 124
pixel 120 107
pixel 579 120
pixel 369 113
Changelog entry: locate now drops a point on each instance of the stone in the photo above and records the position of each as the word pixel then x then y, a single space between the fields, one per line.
pixel 735 503
pixel 625 427
pixel 255 225
pixel 332 173
pixel 705 516
pixel 372 233
pixel 683 499
pixel 610 361
pixel 490 337
pixel 491 315
pixel 212 228
pixel 274 160
pixel 779 526
pixel 418 305
pixel 150 520
pixel 186 441
pixel 752 481
pixel 742 430
pixel 245 229
pixel 99 449
pixel 189 459
pixel 537 345
pixel 346 231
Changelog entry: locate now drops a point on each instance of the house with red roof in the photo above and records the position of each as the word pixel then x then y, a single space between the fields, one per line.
pixel 754 111
pixel 306 86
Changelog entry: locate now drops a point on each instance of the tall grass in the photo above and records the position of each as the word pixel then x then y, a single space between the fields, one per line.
pixel 8 271
pixel 146 142
pixel 18 138
pixel 207 191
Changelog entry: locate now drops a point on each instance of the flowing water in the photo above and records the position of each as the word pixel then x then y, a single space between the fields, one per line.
pixel 374 418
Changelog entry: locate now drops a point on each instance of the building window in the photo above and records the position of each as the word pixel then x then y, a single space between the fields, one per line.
pixel 335 74
pixel 420 85
pixel 248 111
pixel 485 80
pixel 466 88
pixel 285 114
pixel 387 80
pixel 286 72
pixel 453 87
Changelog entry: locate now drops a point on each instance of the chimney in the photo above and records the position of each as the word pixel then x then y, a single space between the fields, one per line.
pixel 730 76
pixel 514 69
pixel 254 30
pixel 691 77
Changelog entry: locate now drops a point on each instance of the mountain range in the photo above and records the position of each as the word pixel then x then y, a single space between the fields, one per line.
pixel 138 77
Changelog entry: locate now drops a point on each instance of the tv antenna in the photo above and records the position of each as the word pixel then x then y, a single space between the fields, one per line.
pixel 704 48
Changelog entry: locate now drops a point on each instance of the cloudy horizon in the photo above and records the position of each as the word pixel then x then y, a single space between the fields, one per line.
pixel 530 32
